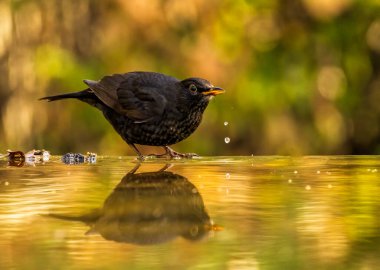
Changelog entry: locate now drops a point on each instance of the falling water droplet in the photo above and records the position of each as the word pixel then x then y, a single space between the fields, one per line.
pixel 226 123
pixel 227 140
pixel 228 176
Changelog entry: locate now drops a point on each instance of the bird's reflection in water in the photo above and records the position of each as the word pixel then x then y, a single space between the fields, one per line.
pixel 150 208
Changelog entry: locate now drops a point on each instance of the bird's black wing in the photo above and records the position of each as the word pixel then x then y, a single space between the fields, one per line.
pixel 106 90
pixel 138 95
pixel 144 95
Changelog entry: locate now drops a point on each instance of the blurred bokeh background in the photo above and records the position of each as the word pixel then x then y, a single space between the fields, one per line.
pixel 302 76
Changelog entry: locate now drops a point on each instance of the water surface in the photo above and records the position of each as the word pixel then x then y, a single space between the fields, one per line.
pixel 210 213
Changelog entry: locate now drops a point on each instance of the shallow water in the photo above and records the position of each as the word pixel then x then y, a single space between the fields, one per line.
pixel 210 213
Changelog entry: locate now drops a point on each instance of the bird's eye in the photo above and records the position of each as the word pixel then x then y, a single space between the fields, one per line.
pixel 193 88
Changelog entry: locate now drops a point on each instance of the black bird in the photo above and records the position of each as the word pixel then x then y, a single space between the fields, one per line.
pixel 149 108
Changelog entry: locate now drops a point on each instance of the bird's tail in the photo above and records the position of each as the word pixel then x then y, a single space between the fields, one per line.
pixel 81 95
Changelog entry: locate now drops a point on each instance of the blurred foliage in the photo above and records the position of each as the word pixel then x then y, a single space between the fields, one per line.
pixel 302 76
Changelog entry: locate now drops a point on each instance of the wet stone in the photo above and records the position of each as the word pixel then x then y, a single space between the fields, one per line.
pixel 34 156
pixel 78 158
pixel 16 158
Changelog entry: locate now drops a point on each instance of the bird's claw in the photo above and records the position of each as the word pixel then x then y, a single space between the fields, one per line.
pixel 176 155
pixel 169 153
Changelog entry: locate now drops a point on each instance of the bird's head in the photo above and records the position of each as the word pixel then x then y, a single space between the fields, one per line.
pixel 200 88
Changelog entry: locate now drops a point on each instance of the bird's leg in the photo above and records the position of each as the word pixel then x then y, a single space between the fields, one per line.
pixel 173 154
pixel 141 157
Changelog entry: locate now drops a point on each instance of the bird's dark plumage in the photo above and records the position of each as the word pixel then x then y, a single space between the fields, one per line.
pixel 148 108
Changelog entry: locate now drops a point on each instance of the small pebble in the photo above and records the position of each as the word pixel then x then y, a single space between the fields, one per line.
pixel 73 158
pixel 35 156
pixel 226 123
pixel 77 158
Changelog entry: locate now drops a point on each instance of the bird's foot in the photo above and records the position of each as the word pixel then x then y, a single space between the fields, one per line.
pixel 173 154
pixel 155 156
pixel 169 153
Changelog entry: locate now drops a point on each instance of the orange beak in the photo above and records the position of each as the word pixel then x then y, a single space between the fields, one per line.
pixel 213 91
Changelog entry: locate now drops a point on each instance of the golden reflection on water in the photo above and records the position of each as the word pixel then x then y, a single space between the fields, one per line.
pixel 149 208
pixel 254 212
